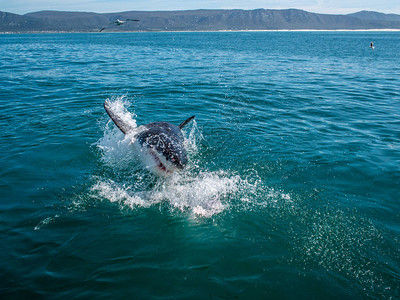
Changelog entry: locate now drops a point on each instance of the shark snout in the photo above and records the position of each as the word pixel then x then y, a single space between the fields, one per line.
pixel 175 153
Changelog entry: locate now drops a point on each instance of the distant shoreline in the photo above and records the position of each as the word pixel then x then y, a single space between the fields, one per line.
pixel 225 30
pixel 202 20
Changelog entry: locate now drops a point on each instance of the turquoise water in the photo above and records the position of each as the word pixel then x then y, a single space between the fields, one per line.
pixel 292 187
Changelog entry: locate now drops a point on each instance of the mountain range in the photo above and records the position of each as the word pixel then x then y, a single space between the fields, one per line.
pixel 195 20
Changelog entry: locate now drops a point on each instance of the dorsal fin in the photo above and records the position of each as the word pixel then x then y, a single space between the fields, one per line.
pixel 186 121
pixel 121 124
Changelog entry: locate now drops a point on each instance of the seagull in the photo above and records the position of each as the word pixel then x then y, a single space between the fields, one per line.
pixel 120 22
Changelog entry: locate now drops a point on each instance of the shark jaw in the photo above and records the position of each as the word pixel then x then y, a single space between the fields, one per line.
pixel 154 161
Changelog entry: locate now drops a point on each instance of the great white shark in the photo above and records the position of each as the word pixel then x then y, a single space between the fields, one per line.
pixel 159 145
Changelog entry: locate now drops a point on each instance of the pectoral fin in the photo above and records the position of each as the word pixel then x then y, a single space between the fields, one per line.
pixel 121 124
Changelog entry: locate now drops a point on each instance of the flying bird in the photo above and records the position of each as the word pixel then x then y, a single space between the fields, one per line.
pixel 119 23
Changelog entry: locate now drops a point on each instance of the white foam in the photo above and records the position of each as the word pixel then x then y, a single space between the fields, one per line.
pixel 204 194
pixel 108 189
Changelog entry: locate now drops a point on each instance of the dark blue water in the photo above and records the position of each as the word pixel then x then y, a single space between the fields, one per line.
pixel 292 187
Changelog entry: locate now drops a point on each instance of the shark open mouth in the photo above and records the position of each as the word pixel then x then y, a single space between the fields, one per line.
pixel 159 163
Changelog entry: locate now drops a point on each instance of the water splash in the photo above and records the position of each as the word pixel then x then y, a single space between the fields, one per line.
pixel 196 190
pixel 116 147
pixel 45 222
pixel 205 194
pixel 342 242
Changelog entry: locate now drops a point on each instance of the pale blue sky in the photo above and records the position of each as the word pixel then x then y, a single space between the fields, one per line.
pixel 318 6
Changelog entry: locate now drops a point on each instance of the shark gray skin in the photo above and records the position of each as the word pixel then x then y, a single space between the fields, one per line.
pixel 159 145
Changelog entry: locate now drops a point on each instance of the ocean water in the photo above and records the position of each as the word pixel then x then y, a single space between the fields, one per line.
pixel 292 186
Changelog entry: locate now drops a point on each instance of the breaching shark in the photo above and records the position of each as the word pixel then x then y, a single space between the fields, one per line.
pixel 159 145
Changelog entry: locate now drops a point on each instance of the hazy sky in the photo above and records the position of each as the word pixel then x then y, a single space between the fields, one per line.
pixel 318 6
